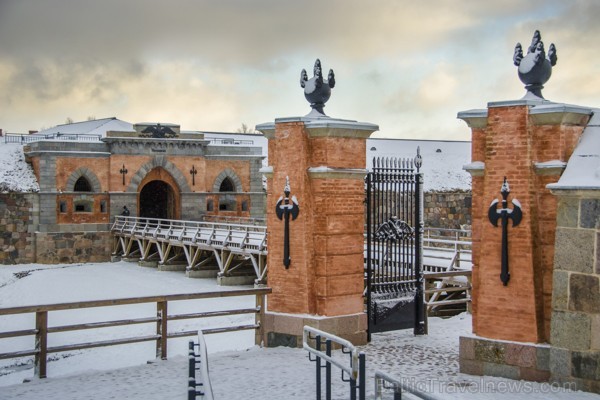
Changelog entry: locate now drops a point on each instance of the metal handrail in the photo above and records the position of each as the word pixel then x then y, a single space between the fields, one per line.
pixel 205 383
pixel 398 386
pixel 19 138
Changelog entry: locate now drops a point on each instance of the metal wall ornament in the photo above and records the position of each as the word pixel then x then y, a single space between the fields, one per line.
pixel 504 214
pixel 285 208
pixel 193 172
pixel 123 171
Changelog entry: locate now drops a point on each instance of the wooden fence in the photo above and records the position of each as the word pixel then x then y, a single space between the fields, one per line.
pixel 42 330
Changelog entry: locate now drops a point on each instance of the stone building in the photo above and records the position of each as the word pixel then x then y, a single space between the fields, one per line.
pixel 91 171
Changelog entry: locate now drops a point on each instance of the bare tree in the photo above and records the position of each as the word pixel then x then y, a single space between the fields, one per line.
pixel 246 129
pixel 69 120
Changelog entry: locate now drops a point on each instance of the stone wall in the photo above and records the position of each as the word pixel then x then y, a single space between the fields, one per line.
pixel 19 213
pixel 449 210
pixel 575 326
pixel 73 247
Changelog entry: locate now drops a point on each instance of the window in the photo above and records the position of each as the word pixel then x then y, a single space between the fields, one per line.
pixel 210 205
pixel 82 206
pixel 62 206
pixel 103 206
pixel 227 186
pixel 82 185
pixel 245 205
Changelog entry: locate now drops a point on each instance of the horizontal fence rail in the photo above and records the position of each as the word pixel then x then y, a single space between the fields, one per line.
pixel 42 330
pixel 385 383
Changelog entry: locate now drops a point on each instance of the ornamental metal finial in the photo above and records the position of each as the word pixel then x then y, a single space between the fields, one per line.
pixel 535 68
pixel 317 90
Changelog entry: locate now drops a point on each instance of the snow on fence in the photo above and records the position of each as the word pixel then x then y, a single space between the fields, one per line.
pixel 42 330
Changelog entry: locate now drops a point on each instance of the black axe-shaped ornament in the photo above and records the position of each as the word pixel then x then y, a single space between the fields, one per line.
pixel 504 214
pixel 284 208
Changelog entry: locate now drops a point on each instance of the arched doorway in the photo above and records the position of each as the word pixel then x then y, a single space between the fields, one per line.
pixel 157 200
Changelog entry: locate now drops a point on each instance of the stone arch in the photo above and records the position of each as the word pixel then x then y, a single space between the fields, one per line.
pixel 227 173
pixel 158 161
pixel 87 174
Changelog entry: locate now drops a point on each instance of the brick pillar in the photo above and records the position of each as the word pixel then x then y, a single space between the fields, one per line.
pixel 325 161
pixel 529 142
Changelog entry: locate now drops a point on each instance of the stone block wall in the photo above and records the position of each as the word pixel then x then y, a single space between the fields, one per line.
pixel 448 210
pixel 19 214
pixel 73 247
pixel 575 326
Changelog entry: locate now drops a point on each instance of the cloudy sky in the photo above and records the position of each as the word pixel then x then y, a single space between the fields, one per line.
pixel 212 65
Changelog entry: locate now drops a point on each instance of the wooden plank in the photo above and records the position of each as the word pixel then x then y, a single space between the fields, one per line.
pixel 103 343
pixel 214 330
pixel 25 332
pixel 41 343
pixel 106 324
pixel 214 314
pixel 448 289
pixel 132 300
pixel 447 302
pixel 17 354
pixel 446 274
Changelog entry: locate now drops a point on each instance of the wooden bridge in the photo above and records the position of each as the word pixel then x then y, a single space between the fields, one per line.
pixel 233 248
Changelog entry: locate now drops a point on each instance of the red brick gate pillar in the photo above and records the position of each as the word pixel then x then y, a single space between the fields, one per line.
pixel 324 160
pixel 529 142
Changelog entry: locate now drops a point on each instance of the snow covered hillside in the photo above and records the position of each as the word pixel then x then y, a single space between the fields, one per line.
pixel 15 174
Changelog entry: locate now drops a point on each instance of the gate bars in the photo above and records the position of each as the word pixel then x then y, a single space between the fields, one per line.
pixel 394 201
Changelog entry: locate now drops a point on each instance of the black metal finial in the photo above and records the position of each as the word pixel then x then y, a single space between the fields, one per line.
pixel 317 90
pixel 535 68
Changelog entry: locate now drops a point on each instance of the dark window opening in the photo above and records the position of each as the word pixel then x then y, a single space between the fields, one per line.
pixel 227 186
pixel 210 205
pixel 83 206
pixel 82 185
pixel 245 205
pixel 103 206
pixel 63 206
pixel 222 207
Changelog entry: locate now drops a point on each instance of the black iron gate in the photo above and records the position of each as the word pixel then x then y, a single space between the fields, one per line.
pixel 394 245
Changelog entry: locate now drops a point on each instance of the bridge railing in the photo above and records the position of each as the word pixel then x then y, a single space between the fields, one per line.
pixel 42 330
pixel 214 234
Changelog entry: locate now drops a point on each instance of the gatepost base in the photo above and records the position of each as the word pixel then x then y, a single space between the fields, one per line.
pixel 282 329
pixel 506 359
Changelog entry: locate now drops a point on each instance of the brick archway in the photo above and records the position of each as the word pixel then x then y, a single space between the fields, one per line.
pixel 158 161
pixel 87 174
pixel 167 194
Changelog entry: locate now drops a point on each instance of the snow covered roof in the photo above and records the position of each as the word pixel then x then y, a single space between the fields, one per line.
pixel 443 160
pixel 583 168
pixel 93 127
pixel 15 174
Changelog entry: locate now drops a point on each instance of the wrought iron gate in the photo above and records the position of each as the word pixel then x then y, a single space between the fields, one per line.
pixel 394 245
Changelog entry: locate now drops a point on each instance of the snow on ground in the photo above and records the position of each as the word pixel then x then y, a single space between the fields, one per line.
pixel 238 369
pixel 15 174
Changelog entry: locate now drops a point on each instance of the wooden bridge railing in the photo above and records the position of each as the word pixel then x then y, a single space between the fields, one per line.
pixel 42 330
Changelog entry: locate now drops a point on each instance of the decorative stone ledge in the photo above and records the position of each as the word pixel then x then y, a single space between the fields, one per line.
pixel 553 167
pixel 324 172
pixel 323 127
pixel 559 114
pixel 474 118
pixel 476 168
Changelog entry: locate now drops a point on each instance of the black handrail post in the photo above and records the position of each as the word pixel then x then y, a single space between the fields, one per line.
pixel 361 376
pixel 328 370
pixel 318 347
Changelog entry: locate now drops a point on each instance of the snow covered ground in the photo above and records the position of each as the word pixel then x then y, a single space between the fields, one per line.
pixel 238 369
pixel 15 174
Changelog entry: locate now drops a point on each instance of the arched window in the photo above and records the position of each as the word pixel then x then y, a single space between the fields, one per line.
pixel 227 186
pixel 82 185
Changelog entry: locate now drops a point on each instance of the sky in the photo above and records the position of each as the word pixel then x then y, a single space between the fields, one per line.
pixel 213 65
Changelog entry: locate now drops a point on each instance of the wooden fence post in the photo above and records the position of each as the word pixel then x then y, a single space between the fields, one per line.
pixel 161 330
pixel 41 343
pixel 259 319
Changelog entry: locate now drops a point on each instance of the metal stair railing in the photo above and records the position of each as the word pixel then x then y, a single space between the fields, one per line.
pixel 203 380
